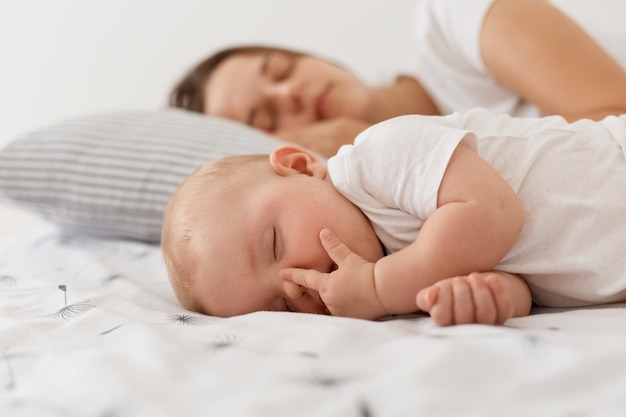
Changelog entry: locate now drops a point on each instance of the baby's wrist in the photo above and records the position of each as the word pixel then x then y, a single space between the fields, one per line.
pixel 377 276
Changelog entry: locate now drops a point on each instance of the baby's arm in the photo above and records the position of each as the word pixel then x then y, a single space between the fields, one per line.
pixel 486 298
pixel 477 221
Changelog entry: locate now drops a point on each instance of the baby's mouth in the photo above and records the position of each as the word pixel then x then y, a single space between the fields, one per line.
pixel 319 299
pixel 321 302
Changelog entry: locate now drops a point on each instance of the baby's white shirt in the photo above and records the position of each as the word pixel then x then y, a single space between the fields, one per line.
pixel 571 179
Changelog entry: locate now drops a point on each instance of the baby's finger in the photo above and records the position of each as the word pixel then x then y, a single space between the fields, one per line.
pixel 307 278
pixel 427 298
pixel 504 306
pixel 442 312
pixel 485 307
pixel 463 302
pixel 336 249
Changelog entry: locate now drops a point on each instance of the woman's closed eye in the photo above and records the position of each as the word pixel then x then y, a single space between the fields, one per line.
pixel 278 66
pixel 286 71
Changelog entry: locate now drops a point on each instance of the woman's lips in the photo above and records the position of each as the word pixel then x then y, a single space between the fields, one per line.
pixel 322 103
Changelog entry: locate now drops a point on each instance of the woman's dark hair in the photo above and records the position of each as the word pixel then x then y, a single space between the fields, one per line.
pixel 188 94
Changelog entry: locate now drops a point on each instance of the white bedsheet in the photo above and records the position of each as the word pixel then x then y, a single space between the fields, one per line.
pixel 91 328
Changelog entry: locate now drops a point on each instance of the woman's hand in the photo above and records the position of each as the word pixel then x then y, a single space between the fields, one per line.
pixel 324 137
pixel 349 290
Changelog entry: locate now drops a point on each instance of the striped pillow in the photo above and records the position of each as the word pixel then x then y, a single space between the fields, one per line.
pixel 111 175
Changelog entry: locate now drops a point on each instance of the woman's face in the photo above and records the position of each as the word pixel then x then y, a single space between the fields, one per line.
pixel 275 90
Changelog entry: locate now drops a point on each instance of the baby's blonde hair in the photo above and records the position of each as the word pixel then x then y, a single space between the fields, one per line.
pixel 182 237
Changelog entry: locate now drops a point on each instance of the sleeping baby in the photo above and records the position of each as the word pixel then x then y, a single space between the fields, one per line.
pixel 469 217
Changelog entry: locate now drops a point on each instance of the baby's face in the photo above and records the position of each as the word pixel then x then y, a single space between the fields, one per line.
pixel 274 226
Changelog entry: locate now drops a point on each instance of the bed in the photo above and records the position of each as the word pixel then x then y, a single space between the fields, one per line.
pixel 90 327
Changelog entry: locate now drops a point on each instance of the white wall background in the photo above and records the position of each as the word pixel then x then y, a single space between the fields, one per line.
pixel 64 58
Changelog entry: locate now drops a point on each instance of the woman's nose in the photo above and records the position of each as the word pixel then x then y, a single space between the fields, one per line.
pixel 284 97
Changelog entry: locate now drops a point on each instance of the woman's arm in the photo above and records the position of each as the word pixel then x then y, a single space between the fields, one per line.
pixel 536 51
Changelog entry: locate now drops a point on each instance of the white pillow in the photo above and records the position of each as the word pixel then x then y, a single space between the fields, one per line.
pixel 111 175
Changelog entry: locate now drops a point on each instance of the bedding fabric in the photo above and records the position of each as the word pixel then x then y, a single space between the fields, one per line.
pixel 111 174
pixel 90 327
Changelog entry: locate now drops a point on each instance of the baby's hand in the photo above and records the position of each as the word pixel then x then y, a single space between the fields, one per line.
pixel 474 298
pixel 349 290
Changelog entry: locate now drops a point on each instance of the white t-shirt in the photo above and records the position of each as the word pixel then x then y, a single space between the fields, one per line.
pixel 449 64
pixel 571 179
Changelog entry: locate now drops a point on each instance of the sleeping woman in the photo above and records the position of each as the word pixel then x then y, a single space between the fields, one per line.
pixel 521 57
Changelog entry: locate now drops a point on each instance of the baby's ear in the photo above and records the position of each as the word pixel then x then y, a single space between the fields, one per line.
pixel 292 160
